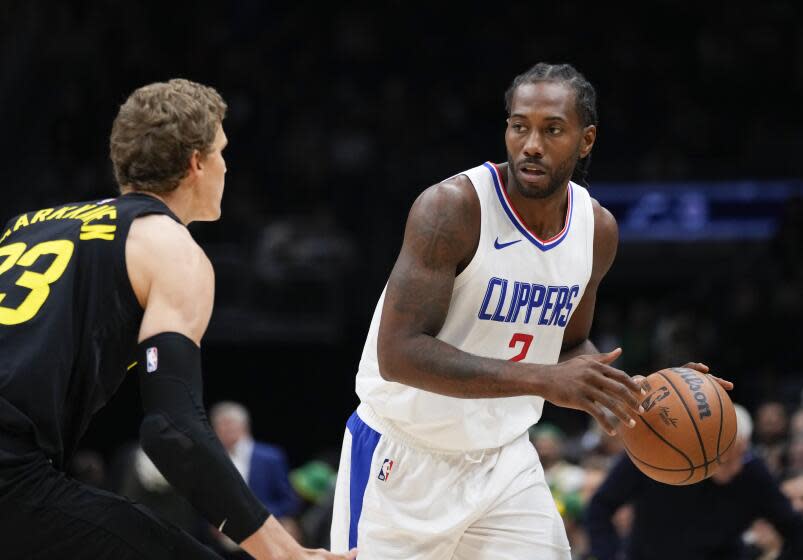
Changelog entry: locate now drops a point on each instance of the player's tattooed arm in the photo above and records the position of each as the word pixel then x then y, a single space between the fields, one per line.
pixel 441 236
pixel 440 239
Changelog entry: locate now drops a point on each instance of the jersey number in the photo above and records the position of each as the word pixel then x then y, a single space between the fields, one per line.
pixel 526 339
pixel 37 282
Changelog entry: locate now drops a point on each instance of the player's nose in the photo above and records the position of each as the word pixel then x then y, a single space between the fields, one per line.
pixel 534 145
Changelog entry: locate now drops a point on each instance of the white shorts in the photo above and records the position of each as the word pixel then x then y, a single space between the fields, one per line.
pixel 396 499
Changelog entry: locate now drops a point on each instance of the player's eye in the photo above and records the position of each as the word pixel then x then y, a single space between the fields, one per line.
pixel 554 130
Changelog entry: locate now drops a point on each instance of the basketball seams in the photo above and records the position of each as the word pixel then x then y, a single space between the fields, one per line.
pixel 667 442
pixel 733 439
pixel 721 414
pixel 693 421
pixel 668 469
pixel 684 482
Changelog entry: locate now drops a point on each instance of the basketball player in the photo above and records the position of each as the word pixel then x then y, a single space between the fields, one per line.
pixel 80 284
pixel 486 315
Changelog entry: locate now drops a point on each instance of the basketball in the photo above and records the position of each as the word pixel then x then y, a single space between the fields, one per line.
pixel 688 423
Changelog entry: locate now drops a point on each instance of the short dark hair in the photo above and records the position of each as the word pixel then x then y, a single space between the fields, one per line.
pixel 157 129
pixel 584 93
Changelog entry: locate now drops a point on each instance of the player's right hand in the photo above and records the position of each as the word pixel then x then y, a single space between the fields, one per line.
pixel 589 383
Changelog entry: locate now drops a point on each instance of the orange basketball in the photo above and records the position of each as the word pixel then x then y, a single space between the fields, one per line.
pixel 688 423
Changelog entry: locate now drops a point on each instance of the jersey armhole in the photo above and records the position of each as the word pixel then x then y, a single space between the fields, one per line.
pixel 127 292
pixel 479 255
pixel 592 221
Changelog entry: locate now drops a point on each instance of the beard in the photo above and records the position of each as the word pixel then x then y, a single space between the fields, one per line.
pixel 558 177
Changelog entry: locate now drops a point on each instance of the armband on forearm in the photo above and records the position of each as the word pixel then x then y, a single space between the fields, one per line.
pixel 176 435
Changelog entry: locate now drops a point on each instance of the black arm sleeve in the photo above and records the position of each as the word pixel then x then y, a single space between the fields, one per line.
pixel 176 435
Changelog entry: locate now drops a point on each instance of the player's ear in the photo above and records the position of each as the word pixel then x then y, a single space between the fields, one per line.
pixel 589 137
pixel 196 162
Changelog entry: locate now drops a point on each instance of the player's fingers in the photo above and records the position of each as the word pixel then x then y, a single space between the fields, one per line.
pixel 622 378
pixel 697 366
pixel 727 385
pixel 607 357
pixel 639 380
pixel 617 407
pixel 623 394
pixel 596 411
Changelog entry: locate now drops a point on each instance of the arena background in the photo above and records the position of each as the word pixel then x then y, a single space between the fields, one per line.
pixel 339 116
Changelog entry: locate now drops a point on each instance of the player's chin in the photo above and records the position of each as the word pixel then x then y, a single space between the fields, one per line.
pixel 535 189
pixel 211 215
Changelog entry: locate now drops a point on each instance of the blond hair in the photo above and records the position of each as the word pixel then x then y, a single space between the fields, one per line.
pixel 158 128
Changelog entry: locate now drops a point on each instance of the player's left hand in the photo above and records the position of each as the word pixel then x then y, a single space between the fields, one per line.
pixel 702 368
pixel 696 366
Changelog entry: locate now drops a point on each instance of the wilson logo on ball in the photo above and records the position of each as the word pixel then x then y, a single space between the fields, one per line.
pixel 695 383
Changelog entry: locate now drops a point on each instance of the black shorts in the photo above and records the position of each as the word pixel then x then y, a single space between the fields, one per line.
pixel 44 514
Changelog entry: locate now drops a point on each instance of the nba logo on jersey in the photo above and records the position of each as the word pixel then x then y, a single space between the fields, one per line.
pixel 384 472
pixel 151 359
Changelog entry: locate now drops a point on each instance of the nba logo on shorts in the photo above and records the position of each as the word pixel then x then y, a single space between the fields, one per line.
pixel 151 359
pixel 384 472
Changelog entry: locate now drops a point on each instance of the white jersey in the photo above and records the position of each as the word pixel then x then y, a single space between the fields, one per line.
pixel 512 302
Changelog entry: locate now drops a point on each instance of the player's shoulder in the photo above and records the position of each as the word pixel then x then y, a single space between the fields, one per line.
pixel 163 241
pixel 455 195
pixel 160 229
pixel 606 238
pixel 604 221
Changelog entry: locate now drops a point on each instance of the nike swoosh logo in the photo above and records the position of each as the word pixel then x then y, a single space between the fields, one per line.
pixel 498 245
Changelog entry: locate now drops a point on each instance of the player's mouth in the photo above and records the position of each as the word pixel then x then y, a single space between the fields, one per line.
pixel 532 173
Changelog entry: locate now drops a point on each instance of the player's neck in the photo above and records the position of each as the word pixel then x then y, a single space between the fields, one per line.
pixel 176 200
pixel 545 217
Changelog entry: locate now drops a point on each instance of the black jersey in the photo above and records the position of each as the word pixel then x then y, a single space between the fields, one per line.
pixel 69 318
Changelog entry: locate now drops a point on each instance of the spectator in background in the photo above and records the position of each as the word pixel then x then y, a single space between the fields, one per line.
pixel 696 522
pixel 796 423
pixel 762 540
pixel 263 466
pixel 595 445
pixel 315 481
pixel 562 475
pixel 565 479
pixel 770 441
pixel 792 488
pixel 794 456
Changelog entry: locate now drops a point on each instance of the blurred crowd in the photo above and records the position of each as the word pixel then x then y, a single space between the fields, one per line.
pixel 575 467
pixel 739 312
pixel 335 129
pixel 301 496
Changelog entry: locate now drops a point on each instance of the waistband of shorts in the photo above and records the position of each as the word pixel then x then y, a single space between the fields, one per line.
pixel 388 428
